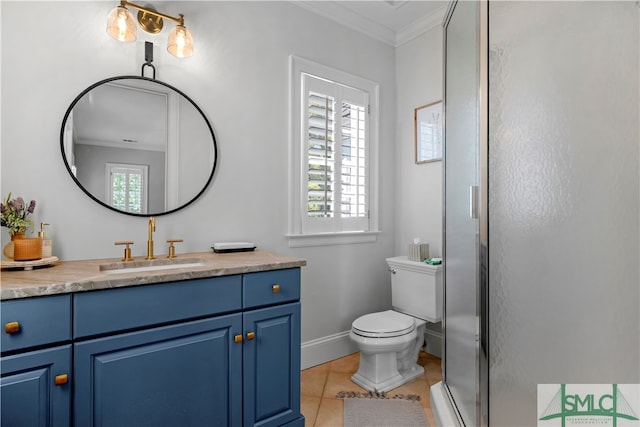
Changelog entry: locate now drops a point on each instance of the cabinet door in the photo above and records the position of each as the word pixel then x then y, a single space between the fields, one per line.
pixel 272 365
pixel 187 374
pixel 29 395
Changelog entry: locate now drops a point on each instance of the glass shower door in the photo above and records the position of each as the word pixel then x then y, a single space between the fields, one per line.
pixel 463 202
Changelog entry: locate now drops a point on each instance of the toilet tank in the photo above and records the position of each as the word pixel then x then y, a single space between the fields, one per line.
pixel 416 288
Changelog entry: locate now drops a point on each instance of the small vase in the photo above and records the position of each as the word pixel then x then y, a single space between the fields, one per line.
pixel 8 249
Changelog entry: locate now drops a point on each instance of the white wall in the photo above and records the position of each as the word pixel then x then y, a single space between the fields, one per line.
pixel 239 77
pixel 418 187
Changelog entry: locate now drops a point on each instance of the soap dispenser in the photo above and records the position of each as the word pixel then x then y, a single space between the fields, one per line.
pixel 46 242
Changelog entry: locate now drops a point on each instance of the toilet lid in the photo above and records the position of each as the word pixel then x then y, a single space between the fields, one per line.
pixel 384 324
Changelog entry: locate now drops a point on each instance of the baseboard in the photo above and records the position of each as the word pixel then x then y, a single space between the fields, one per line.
pixel 443 413
pixel 325 349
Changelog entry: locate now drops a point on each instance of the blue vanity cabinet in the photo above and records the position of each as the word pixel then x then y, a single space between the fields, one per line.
pixel 160 355
pixel 271 358
pixel 36 389
pixel 222 351
pixel 35 382
pixel 186 374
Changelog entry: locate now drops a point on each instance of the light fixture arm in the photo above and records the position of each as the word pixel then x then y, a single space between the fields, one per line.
pixel 179 20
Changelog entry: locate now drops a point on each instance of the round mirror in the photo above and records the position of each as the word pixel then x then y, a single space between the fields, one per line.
pixel 138 146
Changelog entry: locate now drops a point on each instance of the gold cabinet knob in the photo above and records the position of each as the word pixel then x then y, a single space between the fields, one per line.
pixel 250 336
pixel 275 288
pixel 12 327
pixel 61 379
pixel 237 338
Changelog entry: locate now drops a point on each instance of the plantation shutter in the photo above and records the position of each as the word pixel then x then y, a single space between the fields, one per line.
pixel 335 163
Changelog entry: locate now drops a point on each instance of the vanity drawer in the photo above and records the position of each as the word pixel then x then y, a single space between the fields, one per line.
pixel 270 287
pixel 103 312
pixel 32 322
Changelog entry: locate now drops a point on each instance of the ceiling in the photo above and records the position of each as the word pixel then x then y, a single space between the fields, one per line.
pixel 393 22
pixel 126 113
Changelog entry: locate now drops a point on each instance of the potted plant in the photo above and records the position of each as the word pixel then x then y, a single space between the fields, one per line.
pixel 15 215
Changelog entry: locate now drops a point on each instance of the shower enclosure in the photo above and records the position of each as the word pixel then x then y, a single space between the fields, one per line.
pixel 541 205
pixel 465 190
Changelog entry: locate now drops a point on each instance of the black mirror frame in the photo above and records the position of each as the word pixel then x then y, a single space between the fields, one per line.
pixel 111 79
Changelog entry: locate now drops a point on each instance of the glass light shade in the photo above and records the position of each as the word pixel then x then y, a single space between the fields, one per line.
pixel 180 42
pixel 120 25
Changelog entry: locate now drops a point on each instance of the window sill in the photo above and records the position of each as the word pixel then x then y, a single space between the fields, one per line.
pixel 328 239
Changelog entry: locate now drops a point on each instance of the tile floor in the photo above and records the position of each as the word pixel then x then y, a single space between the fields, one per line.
pixel 321 383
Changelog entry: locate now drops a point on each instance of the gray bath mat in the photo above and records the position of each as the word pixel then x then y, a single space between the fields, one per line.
pixel 374 411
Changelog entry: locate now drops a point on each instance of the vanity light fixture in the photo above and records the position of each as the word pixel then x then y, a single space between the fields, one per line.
pixel 121 26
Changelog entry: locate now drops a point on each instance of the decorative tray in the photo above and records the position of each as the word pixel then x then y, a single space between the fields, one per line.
pixel 8 264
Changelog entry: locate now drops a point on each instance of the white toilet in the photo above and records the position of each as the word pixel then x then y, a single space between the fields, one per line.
pixel 389 341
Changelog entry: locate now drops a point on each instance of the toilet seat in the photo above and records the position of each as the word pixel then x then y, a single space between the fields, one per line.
pixel 384 324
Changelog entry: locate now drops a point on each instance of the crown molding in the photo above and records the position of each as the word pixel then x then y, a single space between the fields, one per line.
pixel 420 26
pixel 332 10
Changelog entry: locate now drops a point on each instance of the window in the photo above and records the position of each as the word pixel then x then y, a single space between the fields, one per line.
pixel 333 146
pixel 127 187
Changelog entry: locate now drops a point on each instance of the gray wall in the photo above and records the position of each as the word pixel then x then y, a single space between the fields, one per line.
pixel 93 159
pixel 418 187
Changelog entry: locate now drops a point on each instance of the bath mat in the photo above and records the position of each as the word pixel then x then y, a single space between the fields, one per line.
pixel 379 410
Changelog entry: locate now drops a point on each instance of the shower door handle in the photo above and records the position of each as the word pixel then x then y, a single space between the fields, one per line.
pixel 473 201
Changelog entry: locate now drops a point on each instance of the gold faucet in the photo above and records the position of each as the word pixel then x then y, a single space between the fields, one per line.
pixel 152 228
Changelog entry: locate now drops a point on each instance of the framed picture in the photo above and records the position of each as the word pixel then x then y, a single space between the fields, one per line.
pixel 428 132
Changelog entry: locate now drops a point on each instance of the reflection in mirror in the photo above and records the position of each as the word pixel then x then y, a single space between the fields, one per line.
pixel 138 146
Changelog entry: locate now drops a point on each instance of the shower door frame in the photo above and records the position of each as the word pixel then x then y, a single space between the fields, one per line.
pixel 482 239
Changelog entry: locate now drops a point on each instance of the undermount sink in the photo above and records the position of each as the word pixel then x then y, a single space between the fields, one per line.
pixel 150 265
